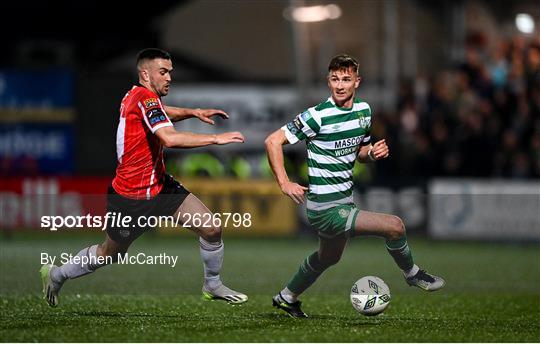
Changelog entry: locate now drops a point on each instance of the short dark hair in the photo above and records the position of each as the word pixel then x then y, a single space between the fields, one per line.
pixel 151 54
pixel 343 61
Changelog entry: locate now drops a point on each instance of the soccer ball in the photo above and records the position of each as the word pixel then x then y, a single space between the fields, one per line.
pixel 370 295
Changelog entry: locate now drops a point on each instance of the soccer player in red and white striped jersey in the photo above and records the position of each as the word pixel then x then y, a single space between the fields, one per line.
pixel 142 187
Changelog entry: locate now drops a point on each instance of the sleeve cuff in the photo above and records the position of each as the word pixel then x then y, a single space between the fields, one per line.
pixel 366 141
pixel 162 125
pixel 290 137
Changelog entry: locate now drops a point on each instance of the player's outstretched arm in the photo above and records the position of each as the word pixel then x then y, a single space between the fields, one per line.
pixel 171 138
pixel 176 114
pixel 374 152
pixel 274 150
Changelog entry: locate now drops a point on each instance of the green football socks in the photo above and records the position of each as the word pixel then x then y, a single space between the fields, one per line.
pixel 310 269
pixel 399 250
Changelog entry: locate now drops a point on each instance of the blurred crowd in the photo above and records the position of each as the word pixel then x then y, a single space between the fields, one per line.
pixel 480 118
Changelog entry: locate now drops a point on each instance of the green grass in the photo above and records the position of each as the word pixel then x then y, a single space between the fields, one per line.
pixel 492 295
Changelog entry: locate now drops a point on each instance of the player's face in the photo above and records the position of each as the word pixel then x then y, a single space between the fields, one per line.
pixel 159 75
pixel 343 83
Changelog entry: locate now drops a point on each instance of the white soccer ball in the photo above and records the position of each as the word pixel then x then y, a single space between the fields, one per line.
pixel 370 295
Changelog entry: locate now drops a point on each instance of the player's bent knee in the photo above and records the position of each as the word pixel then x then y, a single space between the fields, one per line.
pixel 118 255
pixel 212 234
pixel 397 228
pixel 113 251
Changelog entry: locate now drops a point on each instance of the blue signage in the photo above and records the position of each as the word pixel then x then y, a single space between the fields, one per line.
pixel 53 88
pixel 31 149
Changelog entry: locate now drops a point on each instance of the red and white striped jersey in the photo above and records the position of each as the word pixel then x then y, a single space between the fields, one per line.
pixel 141 168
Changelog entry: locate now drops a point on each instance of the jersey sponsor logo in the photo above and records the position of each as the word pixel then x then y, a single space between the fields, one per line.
pixel 155 116
pixel 345 151
pixel 305 116
pixel 346 143
pixel 151 102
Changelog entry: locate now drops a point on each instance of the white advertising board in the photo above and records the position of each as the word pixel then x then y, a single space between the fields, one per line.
pixel 484 209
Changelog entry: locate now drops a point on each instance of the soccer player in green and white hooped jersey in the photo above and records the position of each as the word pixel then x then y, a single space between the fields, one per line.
pixel 337 133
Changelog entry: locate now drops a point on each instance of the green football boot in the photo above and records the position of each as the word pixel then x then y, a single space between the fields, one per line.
pixel 293 309
pixel 50 288
pixel 223 293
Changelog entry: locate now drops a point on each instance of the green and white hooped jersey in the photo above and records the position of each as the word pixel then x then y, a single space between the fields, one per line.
pixel 333 138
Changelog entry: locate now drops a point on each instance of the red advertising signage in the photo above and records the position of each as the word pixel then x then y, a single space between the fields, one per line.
pixel 23 201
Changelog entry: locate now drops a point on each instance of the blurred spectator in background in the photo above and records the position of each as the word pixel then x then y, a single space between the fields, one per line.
pixel 480 118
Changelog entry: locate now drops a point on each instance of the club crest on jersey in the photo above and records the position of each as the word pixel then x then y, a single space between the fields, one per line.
pixel 151 102
pixel 365 122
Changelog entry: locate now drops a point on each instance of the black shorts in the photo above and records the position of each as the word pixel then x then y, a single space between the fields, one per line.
pixel 165 203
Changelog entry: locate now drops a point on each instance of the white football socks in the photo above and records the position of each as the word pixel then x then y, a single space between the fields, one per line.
pixel 289 296
pixel 85 262
pixel 413 271
pixel 212 257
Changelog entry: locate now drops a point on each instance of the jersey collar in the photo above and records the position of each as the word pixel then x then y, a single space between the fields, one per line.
pixel 331 100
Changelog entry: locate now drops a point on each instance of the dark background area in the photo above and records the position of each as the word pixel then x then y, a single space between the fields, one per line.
pixel 447 115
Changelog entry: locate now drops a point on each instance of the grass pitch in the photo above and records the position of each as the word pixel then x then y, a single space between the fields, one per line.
pixel 492 294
